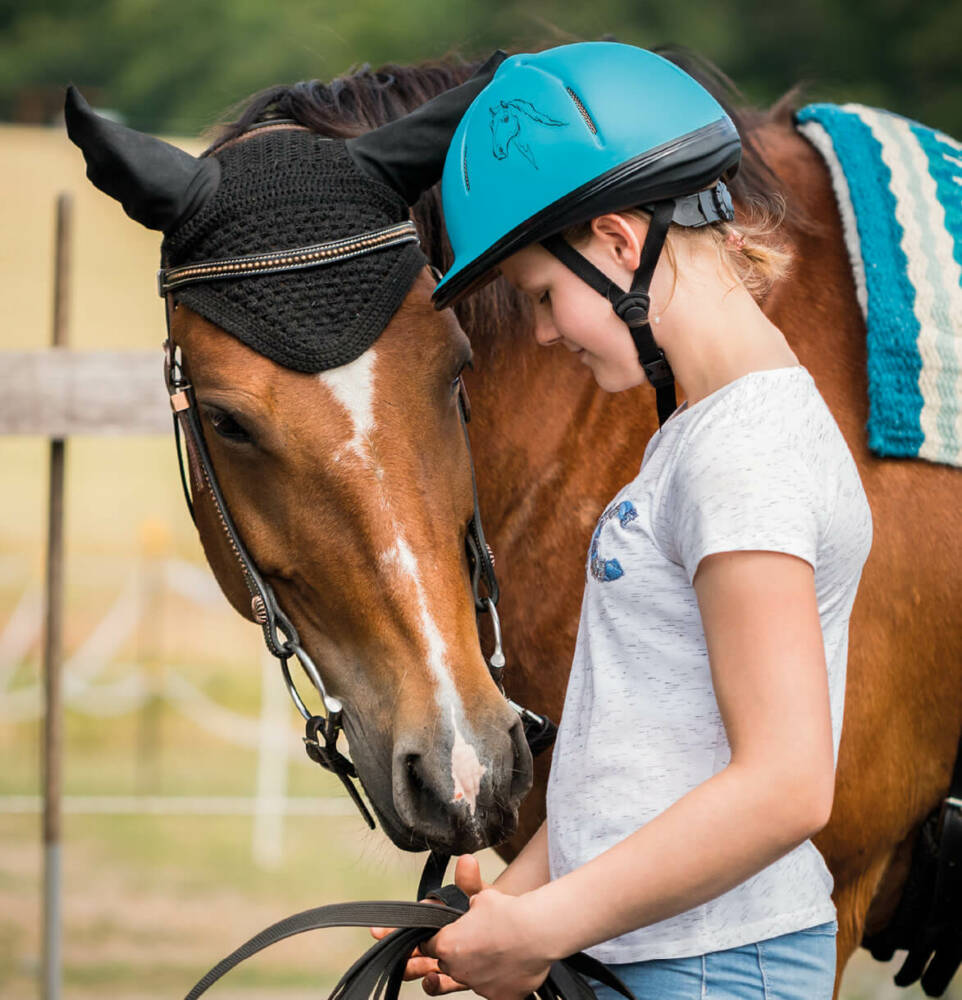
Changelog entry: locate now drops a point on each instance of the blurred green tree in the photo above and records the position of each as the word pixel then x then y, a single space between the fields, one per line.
pixel 175 66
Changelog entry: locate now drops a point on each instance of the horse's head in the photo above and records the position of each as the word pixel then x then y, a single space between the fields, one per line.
pixel 328 400
pixel 351 489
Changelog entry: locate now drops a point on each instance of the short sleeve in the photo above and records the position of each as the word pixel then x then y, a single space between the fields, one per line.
pixel 737 487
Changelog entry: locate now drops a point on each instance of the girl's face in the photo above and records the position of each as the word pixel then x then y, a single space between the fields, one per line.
pixel 570 312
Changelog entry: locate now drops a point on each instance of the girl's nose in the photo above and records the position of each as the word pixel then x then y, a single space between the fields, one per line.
pixel 545 332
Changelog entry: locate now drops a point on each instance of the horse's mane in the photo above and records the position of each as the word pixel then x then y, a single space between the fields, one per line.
pixel 366 98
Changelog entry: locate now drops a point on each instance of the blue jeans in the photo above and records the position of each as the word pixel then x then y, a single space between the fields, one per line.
pixel 796 966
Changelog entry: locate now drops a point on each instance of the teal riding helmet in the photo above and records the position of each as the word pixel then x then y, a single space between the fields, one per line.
pixel 562 136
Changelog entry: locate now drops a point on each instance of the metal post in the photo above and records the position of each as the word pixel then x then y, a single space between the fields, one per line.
pixel 53 641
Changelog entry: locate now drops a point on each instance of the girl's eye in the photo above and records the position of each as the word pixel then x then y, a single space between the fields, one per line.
pixel 545 299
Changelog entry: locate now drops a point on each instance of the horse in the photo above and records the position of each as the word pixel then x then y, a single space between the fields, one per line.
pixel 352 492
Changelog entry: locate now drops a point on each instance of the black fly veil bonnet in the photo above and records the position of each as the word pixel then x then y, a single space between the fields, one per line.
pixel 289 188
pixel 290 210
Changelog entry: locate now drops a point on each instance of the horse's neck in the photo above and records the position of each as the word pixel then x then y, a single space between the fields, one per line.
pixel 549 442
pixel 551 451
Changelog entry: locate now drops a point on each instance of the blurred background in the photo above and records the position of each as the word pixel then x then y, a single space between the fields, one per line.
pixel 173 66
pixel 191 816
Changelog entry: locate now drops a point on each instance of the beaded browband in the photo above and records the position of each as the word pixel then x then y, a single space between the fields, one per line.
pixel 275 261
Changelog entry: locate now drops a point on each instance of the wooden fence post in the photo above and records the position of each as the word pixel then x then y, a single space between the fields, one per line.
pixel 53 639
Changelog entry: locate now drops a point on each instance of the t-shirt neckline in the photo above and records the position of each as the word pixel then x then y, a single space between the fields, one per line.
pixel 687 408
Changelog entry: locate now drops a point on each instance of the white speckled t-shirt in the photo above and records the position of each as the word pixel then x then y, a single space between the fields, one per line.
pixel 759 464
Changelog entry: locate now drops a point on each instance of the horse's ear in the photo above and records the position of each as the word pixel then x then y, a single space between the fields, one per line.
pixel 159 185
pixel 408 154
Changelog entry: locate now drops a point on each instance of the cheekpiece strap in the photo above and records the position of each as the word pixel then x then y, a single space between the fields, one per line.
pixel 277 261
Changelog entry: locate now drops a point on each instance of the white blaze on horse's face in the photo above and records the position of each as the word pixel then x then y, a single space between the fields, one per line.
pixel 352 385
pixel 466 769
pixel 401 556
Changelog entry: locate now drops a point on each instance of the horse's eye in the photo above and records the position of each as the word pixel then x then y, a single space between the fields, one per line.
pixel 505 118
pixel 456 381
pixel 226 426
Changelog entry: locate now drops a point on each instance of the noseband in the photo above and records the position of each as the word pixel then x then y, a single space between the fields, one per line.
pixel 280 635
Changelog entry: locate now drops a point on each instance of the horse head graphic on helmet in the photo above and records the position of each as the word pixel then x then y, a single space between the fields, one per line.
pixel 508 120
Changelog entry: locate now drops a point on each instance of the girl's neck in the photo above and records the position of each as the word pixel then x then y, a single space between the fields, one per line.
pixel 712 331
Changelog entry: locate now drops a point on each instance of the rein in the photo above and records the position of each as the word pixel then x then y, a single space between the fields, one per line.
pixel 378 973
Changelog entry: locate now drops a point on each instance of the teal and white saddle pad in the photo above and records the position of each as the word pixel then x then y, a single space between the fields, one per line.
pixel 899 191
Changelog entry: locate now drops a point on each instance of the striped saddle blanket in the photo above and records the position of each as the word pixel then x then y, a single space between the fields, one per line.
pixel 899 191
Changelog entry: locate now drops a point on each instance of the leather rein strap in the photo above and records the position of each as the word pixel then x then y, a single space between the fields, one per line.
pixel 280 635
pixel 378 973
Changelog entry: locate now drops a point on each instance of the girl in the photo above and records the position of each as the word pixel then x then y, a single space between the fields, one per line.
pixel 695 756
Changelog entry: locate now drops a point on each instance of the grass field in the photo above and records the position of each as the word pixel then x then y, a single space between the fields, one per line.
pixel 150 902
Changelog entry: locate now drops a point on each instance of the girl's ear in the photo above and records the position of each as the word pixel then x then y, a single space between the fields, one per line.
pixel 619 237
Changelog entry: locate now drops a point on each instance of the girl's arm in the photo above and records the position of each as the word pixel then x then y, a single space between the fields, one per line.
pixel 760 616
pixel 529 870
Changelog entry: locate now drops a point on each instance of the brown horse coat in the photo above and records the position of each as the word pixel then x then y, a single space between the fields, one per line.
pixel 551 449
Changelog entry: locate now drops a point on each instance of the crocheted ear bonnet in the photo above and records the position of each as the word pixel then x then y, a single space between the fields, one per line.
pixel 285 188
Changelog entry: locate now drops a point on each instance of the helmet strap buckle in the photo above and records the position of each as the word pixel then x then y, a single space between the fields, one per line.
pixel 632 308
pixel 659 372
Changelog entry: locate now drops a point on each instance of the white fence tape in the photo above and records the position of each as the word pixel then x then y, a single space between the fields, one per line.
pixel 135 686
pixel 268 735
pixel 20 633
pixel 177 805
pixel 102 644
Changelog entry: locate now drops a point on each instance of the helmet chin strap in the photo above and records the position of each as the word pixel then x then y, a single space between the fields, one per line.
pixel 632 307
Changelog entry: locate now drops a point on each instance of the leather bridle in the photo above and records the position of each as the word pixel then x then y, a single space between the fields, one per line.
pixel 280 635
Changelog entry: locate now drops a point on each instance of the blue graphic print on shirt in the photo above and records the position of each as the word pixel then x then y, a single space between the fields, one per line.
pixel 606 570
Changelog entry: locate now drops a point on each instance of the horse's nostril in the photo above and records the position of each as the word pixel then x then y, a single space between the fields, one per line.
pixel 413 794
pixel 414 780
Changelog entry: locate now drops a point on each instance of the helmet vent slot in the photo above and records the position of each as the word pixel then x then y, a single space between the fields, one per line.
pixel 464 167
pixel 583 111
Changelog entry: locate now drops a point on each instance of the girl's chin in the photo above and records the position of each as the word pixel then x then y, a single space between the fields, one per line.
pixel 613 381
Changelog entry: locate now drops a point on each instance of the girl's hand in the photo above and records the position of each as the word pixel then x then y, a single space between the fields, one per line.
pixel 493 949
pixel 467 877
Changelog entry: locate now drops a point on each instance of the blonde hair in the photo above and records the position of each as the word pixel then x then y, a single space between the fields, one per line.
pixel 751 247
